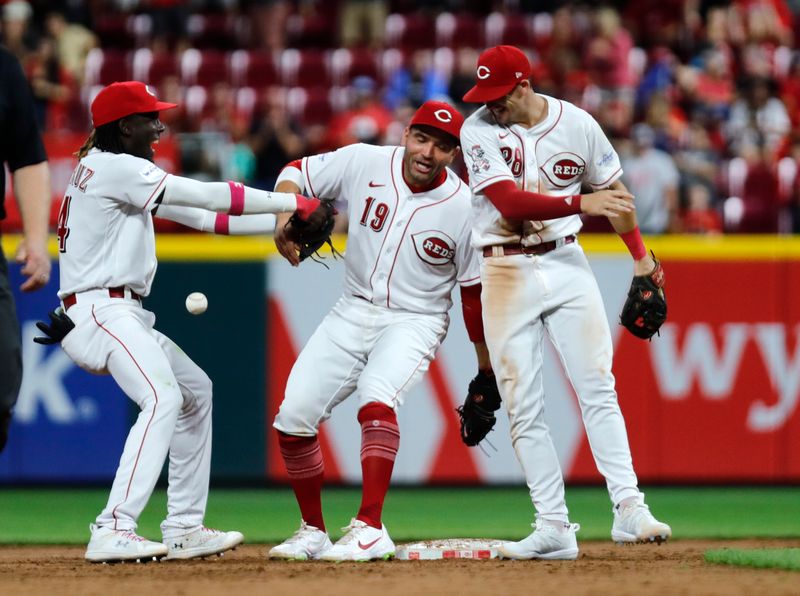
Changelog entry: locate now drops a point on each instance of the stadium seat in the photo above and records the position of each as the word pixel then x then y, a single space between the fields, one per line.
pixel 253 69
pixel 114 30
pixel 458 30
pixel 304 68
pixel 204 67
pixel 104 67
pixel 501 29
pixel 309 105
pixel 346 64
pixel 220 31
pixel 410 31
pixel 153 68
pixel 312 31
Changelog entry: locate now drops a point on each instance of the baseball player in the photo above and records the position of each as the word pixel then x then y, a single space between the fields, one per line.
pixel 527 156
pixel 408 246
pixel 107 257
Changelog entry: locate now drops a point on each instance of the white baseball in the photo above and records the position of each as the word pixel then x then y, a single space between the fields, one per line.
pixel 196 303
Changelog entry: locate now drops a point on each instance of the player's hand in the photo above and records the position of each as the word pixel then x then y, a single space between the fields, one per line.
pixel 60 324
pixel 610 203
pixel 644 266
pixel 35 265
pixel 289 249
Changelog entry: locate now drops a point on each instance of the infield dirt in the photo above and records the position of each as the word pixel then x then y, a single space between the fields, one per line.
pixel 602 568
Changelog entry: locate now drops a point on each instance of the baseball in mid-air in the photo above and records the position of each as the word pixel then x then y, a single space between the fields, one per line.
pixel 196 303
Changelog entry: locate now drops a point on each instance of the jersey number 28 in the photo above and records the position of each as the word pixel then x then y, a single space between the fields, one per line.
pixel 62 231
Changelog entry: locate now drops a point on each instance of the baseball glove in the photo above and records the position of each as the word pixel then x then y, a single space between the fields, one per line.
pixel 477 413
pixel 311 235
pixel 645 309
pixel 60 325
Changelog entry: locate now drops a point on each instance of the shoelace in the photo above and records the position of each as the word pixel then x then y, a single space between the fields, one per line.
pixel 211 531
pixel 352 531
pixel 304 531
pixel 131 535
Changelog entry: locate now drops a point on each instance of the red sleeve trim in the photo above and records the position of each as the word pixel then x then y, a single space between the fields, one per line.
pixel 296 163
pixel 473 312
pixel 513 203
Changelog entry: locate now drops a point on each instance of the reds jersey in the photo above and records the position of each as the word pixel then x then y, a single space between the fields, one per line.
pixel 554 157
pixel 405 250
pixel 105 227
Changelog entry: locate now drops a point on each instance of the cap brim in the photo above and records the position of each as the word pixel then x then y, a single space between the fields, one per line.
pixel 483 94
pixel 163 105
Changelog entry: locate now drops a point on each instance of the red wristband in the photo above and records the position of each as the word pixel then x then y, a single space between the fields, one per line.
pixel 306 206
pixel 222 224
pixel 633 240
pixel 237 198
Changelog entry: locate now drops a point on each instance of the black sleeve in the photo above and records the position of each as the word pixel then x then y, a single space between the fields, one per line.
pixel 20 140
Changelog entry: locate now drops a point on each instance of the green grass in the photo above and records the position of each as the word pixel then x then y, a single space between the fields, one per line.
pixel 62 516
pixel 764 558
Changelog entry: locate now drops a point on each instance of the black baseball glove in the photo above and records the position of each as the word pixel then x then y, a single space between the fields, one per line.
pixel 477 413
pixel 312 234
pixel 645 310
pixel 60 325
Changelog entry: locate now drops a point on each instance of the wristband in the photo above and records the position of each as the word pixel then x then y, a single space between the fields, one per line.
pixel 633 240
pixel 222 224
pixel 237 198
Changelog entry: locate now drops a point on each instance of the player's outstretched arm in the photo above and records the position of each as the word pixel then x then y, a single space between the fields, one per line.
pixel 235 198
pixel 218 223
pixel 513 203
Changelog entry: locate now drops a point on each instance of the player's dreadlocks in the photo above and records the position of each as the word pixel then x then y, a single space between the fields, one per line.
pixel 106 138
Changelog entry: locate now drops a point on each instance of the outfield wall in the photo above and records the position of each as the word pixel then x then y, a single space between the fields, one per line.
pixel 714 399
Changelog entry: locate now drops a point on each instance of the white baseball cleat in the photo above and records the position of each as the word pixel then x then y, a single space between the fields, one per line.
pixel 634 523
pixel 202 542
pixel 361 543
pixel 308 542
pixel 545 542
pixel 111 546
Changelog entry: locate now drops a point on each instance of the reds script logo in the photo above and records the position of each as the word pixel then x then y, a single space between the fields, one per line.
pixel 563 169
pixel 434 247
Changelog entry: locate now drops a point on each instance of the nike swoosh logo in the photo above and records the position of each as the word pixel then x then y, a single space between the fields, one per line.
pixel 504 136
pixel 374 185
pixel 366 546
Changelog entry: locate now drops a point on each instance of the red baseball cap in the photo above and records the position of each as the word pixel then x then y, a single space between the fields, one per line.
pixel 441 115
pixel 123 99
pixel 500 69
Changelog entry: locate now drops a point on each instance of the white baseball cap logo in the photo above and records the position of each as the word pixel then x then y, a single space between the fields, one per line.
pixel 483 72
pixel 443 116
pixel 150 91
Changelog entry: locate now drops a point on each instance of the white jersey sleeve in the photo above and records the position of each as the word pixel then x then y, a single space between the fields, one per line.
pixel 468 265
pixel 482 154
pixel 325 175
pixel 604 166
pixel 135 181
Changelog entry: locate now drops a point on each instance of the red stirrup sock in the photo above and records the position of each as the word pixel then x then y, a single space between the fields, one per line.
pixel 303 459
pixel 380 439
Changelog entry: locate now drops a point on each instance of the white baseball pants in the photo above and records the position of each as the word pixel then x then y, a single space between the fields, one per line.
pixel 361 348
pixel 523 298
pixel 116 336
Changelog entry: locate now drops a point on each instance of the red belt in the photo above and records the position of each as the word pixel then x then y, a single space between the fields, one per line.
pixel 535 249
pixel 118 292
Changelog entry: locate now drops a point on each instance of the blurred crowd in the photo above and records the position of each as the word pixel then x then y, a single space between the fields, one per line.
pixel 700 98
